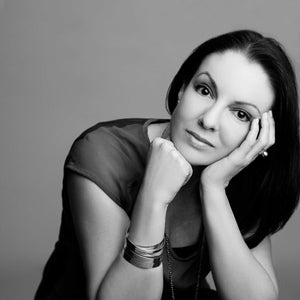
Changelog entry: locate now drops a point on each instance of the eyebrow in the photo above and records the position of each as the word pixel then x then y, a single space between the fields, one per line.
pixel 213 83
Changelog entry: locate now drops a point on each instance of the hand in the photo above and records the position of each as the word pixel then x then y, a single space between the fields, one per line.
pixel 167 171
pixel 222 171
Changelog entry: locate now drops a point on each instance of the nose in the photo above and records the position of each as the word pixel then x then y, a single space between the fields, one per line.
pixel 210 119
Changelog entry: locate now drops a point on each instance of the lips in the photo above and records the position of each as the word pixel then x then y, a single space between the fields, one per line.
pixel 199 138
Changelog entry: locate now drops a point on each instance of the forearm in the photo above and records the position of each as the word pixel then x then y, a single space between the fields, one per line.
pixel 126 281
pixel 165 174
pixel 147 226
pixel 236 271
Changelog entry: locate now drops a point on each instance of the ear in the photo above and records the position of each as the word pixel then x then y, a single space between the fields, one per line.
pixel 180 93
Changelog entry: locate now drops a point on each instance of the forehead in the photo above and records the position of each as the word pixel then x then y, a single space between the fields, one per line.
pixel 239 79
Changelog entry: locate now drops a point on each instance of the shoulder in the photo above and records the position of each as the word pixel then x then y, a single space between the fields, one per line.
pixel 110 141
pixel 111 154
pixel 113 131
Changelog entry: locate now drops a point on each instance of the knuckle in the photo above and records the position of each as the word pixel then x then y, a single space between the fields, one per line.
pixel 262 137
pixel 249 142
pixel 262 142
pixel 237 163
pixel 247 160
pixel 174 154
pixel 166 145
pixel 156 142
pixel 182 164
pixel 189 170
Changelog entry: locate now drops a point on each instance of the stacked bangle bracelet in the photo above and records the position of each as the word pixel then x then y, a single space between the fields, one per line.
pixel 145 257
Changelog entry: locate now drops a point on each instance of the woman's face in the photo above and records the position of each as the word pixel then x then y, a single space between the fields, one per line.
pixel 216 108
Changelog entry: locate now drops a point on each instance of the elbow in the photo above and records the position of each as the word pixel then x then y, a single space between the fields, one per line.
pixel 274 292
pixel 271 294
pixel 258 294
pixel 275 295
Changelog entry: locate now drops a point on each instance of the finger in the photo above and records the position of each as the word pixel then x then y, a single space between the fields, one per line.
pixel 250 140
pixel 262 142
pixel 189 172
pixel 271 139
pixel 188 177
pixel 156 142
pixel 272 130
pixel 160 142
pixel 263 137
pixel 184 164
pixel 238 156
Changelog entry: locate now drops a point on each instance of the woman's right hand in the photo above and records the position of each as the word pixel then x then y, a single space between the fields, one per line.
pixel 166 171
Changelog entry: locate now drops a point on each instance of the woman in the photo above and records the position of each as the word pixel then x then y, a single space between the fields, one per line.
pixel 151 206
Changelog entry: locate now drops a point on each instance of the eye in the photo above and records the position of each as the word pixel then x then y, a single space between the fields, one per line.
pixel 203 90
pixel 242 115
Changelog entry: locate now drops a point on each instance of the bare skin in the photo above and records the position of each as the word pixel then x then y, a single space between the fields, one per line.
pixel 101 225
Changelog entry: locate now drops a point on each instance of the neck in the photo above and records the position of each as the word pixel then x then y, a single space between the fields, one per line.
pixel 157 130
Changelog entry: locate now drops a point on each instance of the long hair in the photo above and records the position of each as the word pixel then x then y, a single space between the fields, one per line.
pixel 265 194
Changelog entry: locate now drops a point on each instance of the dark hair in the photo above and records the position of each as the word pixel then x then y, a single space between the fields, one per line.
pixel 265 194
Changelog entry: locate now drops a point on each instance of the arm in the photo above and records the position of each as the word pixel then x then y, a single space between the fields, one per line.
pixel 101 226
pixel 238 273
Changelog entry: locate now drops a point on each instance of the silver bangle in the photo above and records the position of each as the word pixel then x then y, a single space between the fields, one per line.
pixel 147 251
pixel 145 257
pixel 141 261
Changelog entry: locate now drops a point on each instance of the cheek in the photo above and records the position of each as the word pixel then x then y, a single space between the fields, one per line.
pixel 180 114
pixel 232 135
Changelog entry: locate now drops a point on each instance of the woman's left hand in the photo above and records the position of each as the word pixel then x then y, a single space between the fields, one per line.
pixel 219 173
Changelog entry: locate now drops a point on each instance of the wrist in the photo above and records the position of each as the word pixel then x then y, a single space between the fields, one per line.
pixel 212 179
pixel 211 188
pixel 213 196
pixel 154 199
pixel 147 225
pixel 141 256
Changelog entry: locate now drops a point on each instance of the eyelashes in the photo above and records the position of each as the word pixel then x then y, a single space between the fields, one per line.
pixel 205 90
pixel 243 115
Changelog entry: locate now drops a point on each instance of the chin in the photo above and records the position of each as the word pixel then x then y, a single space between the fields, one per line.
pixel 199 162
pixel 196 158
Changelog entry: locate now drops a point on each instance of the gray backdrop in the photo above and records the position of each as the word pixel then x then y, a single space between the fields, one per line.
pixel 67 64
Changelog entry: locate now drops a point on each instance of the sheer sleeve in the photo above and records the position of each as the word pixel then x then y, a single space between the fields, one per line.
pixel 99 157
